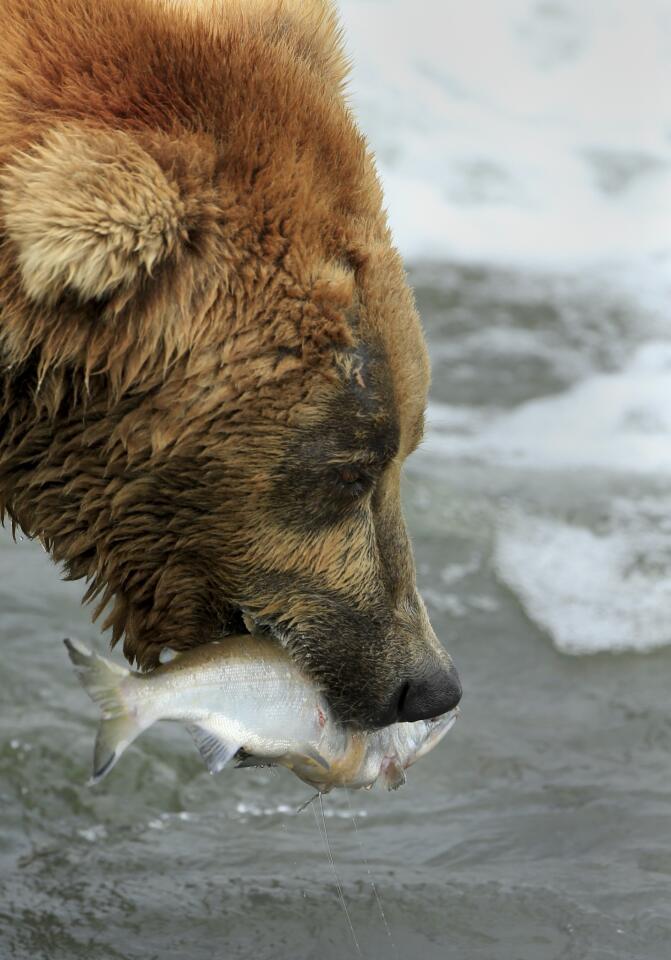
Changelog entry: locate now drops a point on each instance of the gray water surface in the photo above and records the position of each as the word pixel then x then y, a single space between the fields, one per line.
pixel 539 830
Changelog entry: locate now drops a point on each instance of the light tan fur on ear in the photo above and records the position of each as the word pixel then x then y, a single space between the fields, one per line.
pixel 88 210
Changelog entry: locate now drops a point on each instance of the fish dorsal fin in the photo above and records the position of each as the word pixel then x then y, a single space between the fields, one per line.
pixel 214 749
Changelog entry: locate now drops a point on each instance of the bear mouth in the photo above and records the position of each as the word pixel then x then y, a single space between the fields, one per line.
pixel 242 621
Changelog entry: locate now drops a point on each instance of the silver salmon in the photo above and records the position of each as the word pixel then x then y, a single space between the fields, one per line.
pixel 245 700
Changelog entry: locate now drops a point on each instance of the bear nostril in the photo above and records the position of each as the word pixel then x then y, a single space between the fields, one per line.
pixel 402 696
pixel 430 695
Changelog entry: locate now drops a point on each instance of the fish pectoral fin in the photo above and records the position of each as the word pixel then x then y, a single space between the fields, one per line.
pixel 213 748
pixel 316 757
pixel 251 761
pixel 393 772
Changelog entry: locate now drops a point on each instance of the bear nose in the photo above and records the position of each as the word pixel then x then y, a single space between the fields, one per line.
pixel 429 695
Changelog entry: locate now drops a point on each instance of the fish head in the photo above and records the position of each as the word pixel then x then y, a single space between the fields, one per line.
pixel 348 758
pixel 411 741
pixel 343 758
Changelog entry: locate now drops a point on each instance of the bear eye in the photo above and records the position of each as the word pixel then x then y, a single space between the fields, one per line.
pixel 349 474
pixel 353 480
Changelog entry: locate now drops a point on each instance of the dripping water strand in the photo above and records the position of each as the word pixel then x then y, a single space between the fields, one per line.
pixel 327 846
pixel 285 828
pixel 376 893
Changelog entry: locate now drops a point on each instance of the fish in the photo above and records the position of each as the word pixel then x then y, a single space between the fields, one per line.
pixel 244 699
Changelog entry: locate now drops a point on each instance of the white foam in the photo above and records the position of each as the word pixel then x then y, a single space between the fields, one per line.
pixel 601 582
pixel 518 130
pixel 618 422
pixel 285 809
pixel 593 592
pixel 93 834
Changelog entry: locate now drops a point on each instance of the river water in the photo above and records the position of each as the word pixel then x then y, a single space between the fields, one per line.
pixel 541 828
pixel 524 148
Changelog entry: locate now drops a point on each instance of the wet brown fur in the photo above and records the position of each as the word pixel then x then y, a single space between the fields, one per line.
pixel 202 316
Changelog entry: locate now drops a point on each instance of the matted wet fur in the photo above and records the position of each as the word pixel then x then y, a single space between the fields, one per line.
pixel 211 367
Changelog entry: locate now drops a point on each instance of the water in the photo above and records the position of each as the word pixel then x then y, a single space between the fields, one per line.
pixel 525 130
pixel 525 153
pixel 539 830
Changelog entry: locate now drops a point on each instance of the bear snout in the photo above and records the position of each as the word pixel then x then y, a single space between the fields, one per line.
pixel 434 688
pixel 430 694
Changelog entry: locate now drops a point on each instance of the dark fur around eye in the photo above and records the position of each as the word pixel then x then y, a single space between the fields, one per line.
pixel 353 480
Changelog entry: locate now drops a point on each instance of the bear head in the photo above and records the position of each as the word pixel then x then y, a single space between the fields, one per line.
pixel 211 365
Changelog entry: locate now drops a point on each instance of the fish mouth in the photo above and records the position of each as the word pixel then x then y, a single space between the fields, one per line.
pixel 445 721
pixel 450 716
pixel 438 727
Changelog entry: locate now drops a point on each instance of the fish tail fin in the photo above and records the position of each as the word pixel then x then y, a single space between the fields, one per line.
pixel 120 724
pixel 114 735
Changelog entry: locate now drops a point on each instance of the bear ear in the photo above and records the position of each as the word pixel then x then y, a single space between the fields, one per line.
pixel 89 212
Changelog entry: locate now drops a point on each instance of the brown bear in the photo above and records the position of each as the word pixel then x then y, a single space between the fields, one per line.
pixel 211 366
